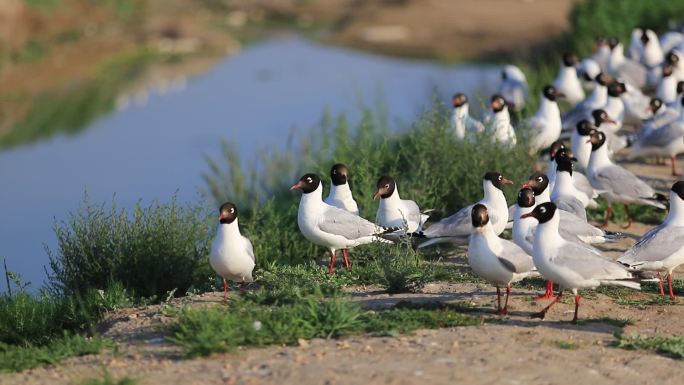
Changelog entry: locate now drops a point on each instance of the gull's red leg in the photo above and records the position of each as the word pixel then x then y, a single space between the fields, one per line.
pixel 577 301
pixel 674 167
pixel 608 215
pixel 549 291
pixel 498 300
pixel 629 218
pixel 225 290
pixel 542 313
pixel 508 294
pixel 660 285
pixel 331 270
pixel 669 285
pixel 345 257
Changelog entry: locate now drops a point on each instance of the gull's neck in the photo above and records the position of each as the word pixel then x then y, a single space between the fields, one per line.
pixel 676 215
pixel 564 185
pixel 461 112
pixel 228 230
pixel 599 158
pixel 340 192
pixel 493 196
pixel 599 97
pixel 543 197
pixel 392 200
pixel 313 199
pixel 547 234
pixel 615 107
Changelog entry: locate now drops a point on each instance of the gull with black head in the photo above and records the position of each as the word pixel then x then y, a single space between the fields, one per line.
pixel 394 211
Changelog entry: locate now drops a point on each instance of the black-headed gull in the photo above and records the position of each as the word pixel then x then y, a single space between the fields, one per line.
pixel 232 254
pixel 329 226
pixel 581 149
pixel 567 82
pixel 578 179
pixel 629 70
pixel 340 194
pixel 601 54
pixel 615 183
pixel 667 87
pixel 457 228
pixel 498 122
pixel 464 125
pixel 545 126
pixel 394 211
pixel 498 261
pixel 662 248
pixel 565 195
pixel 513 87
pixel 597 99
pixel 572 265
pixel 603 122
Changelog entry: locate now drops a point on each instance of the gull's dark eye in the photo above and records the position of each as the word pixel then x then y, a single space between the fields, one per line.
pixel 387 185
pixel 540 179
pixel 542 210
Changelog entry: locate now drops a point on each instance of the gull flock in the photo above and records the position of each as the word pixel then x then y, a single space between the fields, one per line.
pixel 630 102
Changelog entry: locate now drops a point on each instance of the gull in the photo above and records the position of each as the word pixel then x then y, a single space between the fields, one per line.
pixel 394 211
pixel 578 179
pixel 462 123
pixel 573 227
pixel 571 265
pixel 667 140
pixel 601 122
pixel 232 254
pixel 340 195
pixel 498 121
pixel 667 87
pixel 652 52
pixel 673 59
pixel 601 54
pixel 545 126
pixel 620 66
pixel 565 195
pixel 662 248
pixel 636 103
pixel 661 116
pixel 498 261
pixel 567 82
pixel 329 226
pixel 616 184
pixel 597 99
pixel 615 107
pixel 581 149
pixel 513 87
pixel 457 228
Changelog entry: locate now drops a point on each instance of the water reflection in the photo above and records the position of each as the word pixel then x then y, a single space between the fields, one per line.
pixel 151 150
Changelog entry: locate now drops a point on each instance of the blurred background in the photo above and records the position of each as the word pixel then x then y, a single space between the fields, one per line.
pixel 127 100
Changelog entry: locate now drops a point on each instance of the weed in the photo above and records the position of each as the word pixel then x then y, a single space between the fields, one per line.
pixel 667 346
pixel 150 250
pixel 617 322
pixel 107 379
pixel 565 344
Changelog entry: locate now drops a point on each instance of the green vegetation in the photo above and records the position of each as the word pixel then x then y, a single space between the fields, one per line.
pixel 667 346
pixel 149 250
pixel 617 322
pixel 107 379
pixel 203 331
pixel 15 358
pixel 566 344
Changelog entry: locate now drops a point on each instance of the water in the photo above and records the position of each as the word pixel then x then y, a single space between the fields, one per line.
pixel 255 99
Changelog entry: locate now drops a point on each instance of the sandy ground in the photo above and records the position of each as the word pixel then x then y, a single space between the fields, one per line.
pixel 518 351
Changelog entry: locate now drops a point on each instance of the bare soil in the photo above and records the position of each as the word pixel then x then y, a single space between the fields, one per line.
pixel 519 350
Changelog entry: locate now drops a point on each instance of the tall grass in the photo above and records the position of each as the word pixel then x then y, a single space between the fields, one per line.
pixel 150 250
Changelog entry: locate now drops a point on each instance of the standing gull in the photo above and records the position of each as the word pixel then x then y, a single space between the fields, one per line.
pixel 513 87
pixel 571 265
pixel 232 254
pixel 464 125
pixel 545 126
pixel 662 248
pixel 498 121
pixel 340 194
pixel 499 261
pixel 567 81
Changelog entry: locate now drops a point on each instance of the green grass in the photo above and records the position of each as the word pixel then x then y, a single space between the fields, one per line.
pixel 24 356
pixel 203 331
pixel 617 322
pixel 565 344
pixel 150 250
pixel 668 346
pixel 107 379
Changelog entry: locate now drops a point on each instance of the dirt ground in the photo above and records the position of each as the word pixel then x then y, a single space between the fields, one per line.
pixel 518 351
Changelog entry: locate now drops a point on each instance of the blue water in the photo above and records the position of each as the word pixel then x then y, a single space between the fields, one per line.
pixel 256 100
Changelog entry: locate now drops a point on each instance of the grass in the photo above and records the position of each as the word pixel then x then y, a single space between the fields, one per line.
pixel 617 322
pixel 24 356
pixel 565 344
pixel 107 379
pixel 668 346
pixel 205 331
pixel 151 250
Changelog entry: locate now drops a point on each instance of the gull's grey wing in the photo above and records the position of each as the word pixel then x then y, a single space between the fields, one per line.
pixel 572 226
pixel 342 222
pixel 633 72
pixel 514 258
pixel 572 205
pixel 663 136
pixel 412 211
pixel 456 225
pixel 589 263
pixel 582 183
pixel 619 181
pixel 657 244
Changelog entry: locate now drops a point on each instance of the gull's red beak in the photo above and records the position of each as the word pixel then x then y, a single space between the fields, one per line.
pixel 376 195
pixel 528 215
pixel 506 181
pixel 589 141
pixel 526 185
pixel 609 120
pixel 297 186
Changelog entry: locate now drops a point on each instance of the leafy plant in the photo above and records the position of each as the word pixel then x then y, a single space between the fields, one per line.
pixel 667 346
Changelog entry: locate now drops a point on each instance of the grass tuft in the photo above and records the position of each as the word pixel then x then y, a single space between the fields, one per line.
pixel 668 346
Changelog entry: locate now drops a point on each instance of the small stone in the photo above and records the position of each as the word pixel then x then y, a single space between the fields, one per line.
pixel 302 342
pixel 367 349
